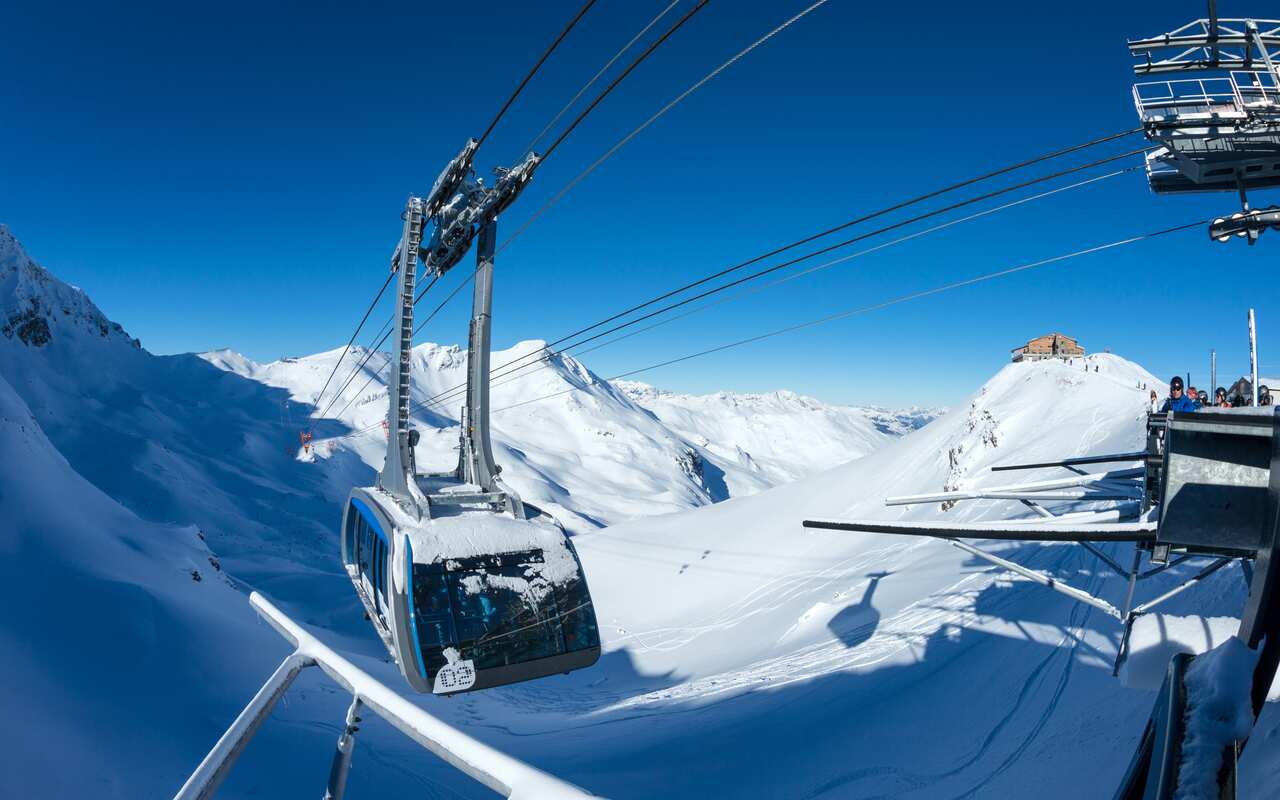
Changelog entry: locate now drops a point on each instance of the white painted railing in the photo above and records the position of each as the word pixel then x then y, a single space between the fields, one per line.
pixel 1238 93
pixel 505 775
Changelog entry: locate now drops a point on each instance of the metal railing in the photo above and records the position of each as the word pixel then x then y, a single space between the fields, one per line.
pixel 505 775
pixel 1239 93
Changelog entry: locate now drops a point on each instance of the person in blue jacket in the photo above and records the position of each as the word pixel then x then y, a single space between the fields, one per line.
pixel 1177 401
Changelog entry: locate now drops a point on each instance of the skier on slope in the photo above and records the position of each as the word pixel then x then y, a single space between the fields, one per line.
pixel 1177 401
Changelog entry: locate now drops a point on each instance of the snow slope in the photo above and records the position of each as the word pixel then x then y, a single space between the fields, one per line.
pixel 107 619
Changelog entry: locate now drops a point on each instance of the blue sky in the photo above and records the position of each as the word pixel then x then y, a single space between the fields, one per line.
pixel 233 177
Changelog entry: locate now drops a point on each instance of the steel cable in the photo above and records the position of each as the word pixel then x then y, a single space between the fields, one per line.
pixel 877 306
pixel 648 51
pixel 498 372
pixel 502 111
pixel 363 320
pixel 573 100
pixel 662 111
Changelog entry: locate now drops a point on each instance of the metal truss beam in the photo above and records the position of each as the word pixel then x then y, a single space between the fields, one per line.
pixel 1222 44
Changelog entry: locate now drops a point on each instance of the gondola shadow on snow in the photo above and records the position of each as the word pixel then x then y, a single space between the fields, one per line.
pixel 856 623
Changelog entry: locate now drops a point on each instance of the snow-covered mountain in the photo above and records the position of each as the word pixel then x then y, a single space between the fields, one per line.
pixel 125 646
pixel 592 452
pixel 172 438
pixel 776 437
pixel 745 656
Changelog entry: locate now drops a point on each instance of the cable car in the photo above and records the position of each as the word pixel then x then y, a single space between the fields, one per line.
pixel 459 612
pixel 468 586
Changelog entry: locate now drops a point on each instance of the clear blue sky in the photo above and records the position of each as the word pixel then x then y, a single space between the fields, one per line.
pixel 232 176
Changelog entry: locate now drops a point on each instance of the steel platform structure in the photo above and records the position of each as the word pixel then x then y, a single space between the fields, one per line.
pixel 1208 488
pixel 1218 128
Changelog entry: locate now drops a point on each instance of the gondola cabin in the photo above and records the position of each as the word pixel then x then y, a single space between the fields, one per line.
pixel 469 601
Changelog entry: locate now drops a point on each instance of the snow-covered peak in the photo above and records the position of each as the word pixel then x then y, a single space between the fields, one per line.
pixel 231 361
pixel 640 392
pixel 36 308
pixel 780 435
pixel 781 400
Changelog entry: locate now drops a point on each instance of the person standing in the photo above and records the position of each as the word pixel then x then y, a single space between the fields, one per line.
pixel 1154 405
pixel 1177 401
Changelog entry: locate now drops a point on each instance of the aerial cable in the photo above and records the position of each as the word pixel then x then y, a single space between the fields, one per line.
pixel 501 112
pixel 878 306
pixel 791 262
pixel 502 370
pixel 506 368
pixel 911 201
pixel 564 134
pixel 866 218
pixel 581 12
pixel 375 348
pixel 541 364
pixel 867 251
pixel 573 101
pixel 369 353
pixel 635 63
pixel 363 320
pixel 419 327
pixel 441 306
pixel 626 139
pixel 372 375
pixel 813 254
pixel 681 97
pixel 497 117
pixel 648 51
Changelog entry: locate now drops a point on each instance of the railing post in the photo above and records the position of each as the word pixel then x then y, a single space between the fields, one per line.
pixel 214 768
pixel 342 756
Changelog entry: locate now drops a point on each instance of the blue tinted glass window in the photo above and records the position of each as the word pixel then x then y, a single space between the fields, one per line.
pixel 497 625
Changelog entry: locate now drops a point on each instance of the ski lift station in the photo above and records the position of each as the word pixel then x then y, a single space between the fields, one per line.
pixel 1217 124
pixel 1051 345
